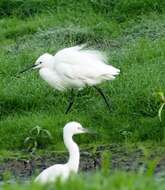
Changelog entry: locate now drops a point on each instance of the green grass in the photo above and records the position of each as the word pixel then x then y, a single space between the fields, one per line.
pixel 115 181
pixel 132 35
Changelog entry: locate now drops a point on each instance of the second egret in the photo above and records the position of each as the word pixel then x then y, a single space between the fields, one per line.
pixel 64 170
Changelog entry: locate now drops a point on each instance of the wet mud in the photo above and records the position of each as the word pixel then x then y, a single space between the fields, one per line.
pixel 121 158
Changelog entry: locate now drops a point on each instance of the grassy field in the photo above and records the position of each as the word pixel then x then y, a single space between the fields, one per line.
pixel 131 32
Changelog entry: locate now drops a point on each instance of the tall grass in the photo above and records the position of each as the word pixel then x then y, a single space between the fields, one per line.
pixel 117 8
pixel 115 181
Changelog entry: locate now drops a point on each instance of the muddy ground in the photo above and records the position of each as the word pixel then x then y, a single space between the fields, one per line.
pixel 122 158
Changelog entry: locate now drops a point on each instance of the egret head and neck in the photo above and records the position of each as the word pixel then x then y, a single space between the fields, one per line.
pixel 69 130
pixel 44 61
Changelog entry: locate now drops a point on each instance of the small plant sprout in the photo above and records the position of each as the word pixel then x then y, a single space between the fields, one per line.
pixel 36 138
pixel 150 163
pixel 162 104
pixel 106 163
pixel 126 135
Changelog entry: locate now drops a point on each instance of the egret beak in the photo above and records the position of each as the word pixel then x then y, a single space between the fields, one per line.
pixel 27 69
pixel 90 131
pixel 85 130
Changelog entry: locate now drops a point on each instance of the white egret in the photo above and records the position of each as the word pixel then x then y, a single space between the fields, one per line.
pixel 64 170
pixel 75 68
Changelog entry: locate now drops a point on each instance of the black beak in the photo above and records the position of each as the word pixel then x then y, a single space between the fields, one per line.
pixel 27 69
pixel 85 130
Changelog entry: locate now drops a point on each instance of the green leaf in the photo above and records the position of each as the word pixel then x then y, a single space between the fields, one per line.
pixel 49 135
pixel 36 128
pixel 27 140
pixel 160 111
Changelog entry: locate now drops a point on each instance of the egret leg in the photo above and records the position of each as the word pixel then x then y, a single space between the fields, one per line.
pixel 103 96
pixel 71 101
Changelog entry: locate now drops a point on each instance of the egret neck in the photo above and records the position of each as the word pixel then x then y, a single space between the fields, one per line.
pixel 74 154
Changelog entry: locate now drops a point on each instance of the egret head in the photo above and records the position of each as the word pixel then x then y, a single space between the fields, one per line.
pixel 43 61
pixel 73 128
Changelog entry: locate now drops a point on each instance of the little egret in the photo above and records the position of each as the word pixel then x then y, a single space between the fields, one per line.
pixel 64 170
pixel 75 68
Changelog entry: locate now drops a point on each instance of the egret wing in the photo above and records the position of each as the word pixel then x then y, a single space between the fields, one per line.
pixel 83 66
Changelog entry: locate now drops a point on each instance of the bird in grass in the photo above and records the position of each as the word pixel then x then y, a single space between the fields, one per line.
pixel 63 171
pixel 75 68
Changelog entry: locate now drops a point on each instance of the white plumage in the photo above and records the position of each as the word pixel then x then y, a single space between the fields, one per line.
pixel 75 67
pixel 64 170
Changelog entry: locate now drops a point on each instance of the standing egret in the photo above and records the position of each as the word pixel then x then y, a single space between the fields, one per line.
pixel 75 68
pixel 63 170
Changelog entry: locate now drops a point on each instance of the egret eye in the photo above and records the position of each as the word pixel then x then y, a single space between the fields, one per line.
pixel 40 62
pixel 79 128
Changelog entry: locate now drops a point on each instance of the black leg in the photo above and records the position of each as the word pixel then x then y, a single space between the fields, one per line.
pixel 103 96
pixel 71 101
